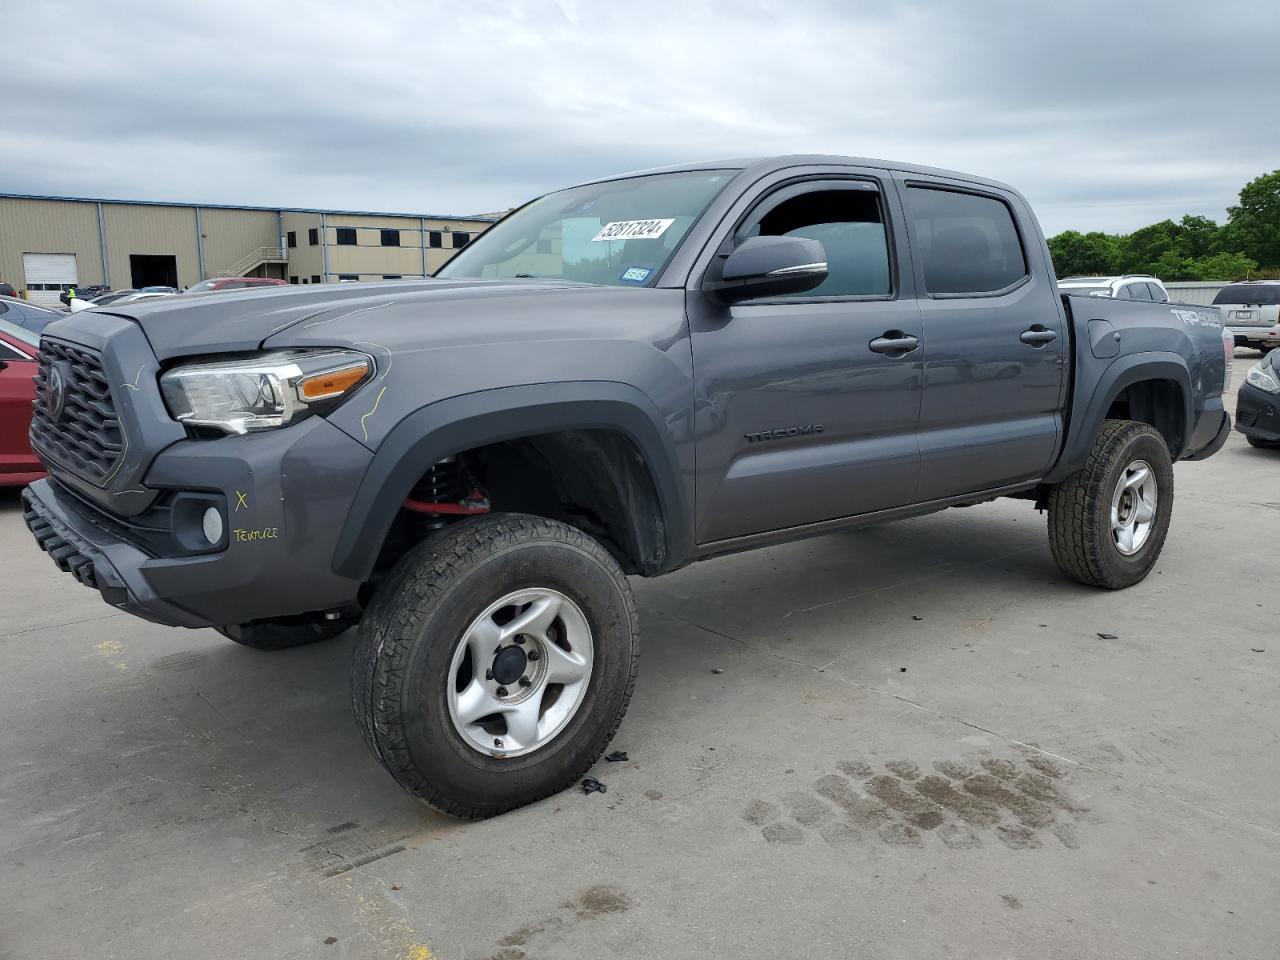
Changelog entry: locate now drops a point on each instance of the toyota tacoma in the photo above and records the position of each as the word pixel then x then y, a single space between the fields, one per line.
pixel 615 380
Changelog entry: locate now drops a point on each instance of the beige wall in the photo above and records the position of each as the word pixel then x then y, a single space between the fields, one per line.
pixel 232 234
pixel 139 229
pixel 48 226
pixel 71 226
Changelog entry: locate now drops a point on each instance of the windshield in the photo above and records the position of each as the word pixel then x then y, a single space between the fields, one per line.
pixel 1264 294
pixel 202 286
pixel 621 232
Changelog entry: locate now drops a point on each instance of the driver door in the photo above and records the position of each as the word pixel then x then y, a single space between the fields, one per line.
pixel 802 416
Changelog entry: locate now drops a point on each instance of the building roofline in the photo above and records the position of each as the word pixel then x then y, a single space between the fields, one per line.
pixel 242 206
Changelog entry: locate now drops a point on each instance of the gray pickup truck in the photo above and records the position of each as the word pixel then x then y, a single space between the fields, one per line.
pixel 617 379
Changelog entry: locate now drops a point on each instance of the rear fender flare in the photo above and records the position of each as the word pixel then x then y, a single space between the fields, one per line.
pixel 472 420
pixel 1087 418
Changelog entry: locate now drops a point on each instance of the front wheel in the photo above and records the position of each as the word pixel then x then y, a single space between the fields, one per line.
pixel 1108 522
pixel 495 663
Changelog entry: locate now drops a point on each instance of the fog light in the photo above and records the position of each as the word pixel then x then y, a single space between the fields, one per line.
pixel 212 525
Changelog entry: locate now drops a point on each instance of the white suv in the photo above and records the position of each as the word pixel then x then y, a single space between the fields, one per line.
pixel 1131 286
pixel 1251 310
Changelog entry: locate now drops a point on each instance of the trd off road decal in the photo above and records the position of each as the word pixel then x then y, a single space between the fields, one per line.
pixel 1197 318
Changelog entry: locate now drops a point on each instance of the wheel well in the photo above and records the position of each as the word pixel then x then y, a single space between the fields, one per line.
pixel 1158 403
pixel 595 480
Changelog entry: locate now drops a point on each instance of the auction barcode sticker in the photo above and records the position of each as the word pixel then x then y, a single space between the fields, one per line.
pixel 633 230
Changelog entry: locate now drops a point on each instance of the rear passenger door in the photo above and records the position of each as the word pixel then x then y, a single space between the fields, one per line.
pixel 994 339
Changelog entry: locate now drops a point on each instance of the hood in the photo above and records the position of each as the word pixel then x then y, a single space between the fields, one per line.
pixel 221 322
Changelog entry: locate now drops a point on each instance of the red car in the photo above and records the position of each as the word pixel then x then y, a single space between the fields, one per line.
pixel 18 348
pixel 233 283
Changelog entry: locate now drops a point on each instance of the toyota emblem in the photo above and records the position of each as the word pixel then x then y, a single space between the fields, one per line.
pixel 55 392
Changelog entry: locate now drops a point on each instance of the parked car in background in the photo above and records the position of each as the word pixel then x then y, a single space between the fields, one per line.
pixel 112 297
pixel 1258 403
pixel 29 316
pixel 233 283
pixel 158 290
pixel 6 290
pixel 18 348
pixel 85 293
pixel 1251 311
pixel 1129 286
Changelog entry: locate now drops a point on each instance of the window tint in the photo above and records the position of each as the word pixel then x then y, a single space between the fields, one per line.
pixel 1157 294
pixel 313 236
pixel 435 239
pixel 1136 291
pixel 1264 294
pixel 390 238
pixel 968 243
pixel 849 225
pixel 346 236
pixel 8 353
pixel 293 238
pixel 4 308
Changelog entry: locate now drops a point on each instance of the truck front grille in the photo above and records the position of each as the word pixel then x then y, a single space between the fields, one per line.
pixel 74 425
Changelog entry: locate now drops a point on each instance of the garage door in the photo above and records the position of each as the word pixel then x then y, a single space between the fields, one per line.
pixel 48 274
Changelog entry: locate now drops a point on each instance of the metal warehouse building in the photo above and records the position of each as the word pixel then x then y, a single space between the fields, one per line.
pixel 48 244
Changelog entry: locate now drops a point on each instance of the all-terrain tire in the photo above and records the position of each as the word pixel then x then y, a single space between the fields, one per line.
pixel 283 634
pixel 1080 533
pixel 402 661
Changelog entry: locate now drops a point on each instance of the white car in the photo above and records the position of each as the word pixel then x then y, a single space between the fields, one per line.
pixel 1130 286
pixel 1251 310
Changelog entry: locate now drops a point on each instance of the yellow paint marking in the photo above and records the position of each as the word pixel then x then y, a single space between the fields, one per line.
pixel 113 650
pixel 418 951
pixel 376 401
pixel 241 500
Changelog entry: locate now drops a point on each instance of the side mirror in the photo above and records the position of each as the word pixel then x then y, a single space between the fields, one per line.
pixel 768 266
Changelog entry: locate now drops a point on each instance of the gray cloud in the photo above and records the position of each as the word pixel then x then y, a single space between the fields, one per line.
pixel 1107 116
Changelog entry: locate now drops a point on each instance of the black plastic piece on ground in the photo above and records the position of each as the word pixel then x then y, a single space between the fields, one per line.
pixel 592 785
pixel 618 756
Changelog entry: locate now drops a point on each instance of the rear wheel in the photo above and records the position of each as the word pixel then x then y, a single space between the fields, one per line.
pixel 1108 522
pixel 495 663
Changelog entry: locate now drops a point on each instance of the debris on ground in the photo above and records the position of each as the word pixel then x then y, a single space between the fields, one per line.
pixel 330 941
pixel 717 669
pixel 914 617
pixel 902 669
pixel 1107 636
pixel 618 756
pixel 1258 649
pixel 395 886
pixel 592 785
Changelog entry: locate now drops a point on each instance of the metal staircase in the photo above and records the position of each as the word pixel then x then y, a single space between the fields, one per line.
pixel 253 259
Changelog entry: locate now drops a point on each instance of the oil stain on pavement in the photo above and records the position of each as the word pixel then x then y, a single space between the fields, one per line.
pixel 1020 804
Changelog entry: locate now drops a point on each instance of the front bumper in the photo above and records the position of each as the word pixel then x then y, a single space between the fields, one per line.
pixel 286 492
pixel 1258 413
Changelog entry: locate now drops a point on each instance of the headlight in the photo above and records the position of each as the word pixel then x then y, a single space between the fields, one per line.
pixel 262 392
pixel 1263 378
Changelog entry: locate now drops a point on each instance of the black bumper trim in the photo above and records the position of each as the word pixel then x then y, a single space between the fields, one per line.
pixel 1216 444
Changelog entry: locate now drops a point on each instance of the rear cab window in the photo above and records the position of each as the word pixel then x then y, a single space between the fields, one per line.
pixel 968 242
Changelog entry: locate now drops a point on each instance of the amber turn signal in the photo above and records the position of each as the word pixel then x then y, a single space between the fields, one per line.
pixel 332 383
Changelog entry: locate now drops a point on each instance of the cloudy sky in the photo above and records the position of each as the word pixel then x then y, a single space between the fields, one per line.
pixel 1107 115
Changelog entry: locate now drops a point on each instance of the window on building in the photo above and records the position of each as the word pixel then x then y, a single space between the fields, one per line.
pixel 849 225
pixel 346 236
pixel 348 277
pixel 544 245
pixel 390 238
pixel 313 236
pixel 969 242
pixel 293 279
pixel 435 239
pixel 392 276
pixel 293 238
pixel 315 278
pixel 460 240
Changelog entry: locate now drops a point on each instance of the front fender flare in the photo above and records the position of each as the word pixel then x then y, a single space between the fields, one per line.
pixel 491 416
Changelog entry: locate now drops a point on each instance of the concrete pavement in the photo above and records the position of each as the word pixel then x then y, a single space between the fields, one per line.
pixel 919 746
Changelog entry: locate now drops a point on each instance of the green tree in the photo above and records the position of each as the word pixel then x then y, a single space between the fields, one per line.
pixel 1080 254
pixel 1222 266
pixel 1253 227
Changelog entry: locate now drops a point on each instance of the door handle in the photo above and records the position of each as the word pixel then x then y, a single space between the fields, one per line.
pixel 1038 335
pixel 894 341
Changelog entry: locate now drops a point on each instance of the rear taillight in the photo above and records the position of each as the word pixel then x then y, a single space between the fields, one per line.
pixel 1228 354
